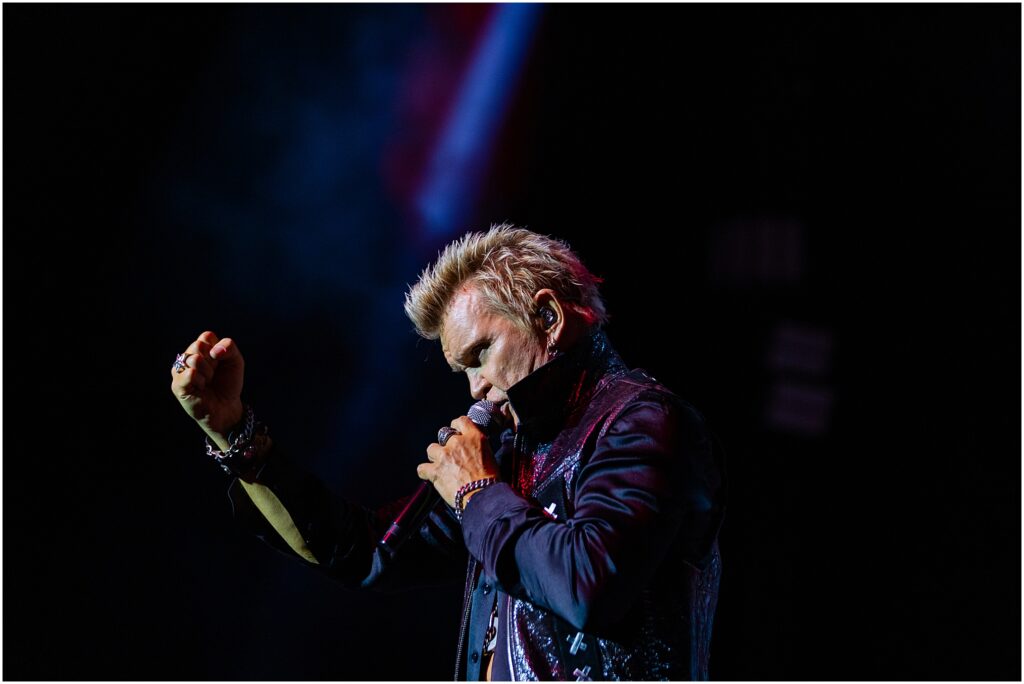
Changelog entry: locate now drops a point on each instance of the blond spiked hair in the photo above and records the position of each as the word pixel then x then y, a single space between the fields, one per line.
pixel 509 265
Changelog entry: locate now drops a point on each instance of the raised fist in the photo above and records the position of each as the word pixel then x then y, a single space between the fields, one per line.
pixel 209 386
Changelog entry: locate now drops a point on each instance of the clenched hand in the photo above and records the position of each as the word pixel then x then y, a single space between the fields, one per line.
pixel 210 386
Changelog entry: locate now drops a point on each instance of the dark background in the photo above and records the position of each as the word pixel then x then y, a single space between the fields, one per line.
pixel 807 218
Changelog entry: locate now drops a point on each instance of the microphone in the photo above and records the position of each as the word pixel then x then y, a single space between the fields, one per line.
pixel 485 415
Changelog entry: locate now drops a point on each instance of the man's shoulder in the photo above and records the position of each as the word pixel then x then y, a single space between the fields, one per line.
pixel 637 389
pixel 639 385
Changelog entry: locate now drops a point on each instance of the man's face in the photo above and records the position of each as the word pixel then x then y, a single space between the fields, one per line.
pixel 493 352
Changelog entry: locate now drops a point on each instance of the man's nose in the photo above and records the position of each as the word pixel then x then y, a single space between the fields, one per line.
pixel 478 386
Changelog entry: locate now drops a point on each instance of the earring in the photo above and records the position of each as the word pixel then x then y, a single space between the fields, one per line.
pixel 553 351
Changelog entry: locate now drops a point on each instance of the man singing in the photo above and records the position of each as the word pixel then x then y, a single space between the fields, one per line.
pixel 590 536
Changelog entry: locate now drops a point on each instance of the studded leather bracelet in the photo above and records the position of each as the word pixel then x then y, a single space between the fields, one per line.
pixel 466 489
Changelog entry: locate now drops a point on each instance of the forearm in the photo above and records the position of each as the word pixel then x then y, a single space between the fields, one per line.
pixel 279 518
pixel 294 512
pixel 585 570
pixel 297 514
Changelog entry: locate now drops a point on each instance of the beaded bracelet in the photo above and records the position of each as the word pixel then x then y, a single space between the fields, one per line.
pixel 247 449
pixel 466 489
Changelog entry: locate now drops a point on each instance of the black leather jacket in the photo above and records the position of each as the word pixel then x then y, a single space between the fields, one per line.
pixel 599 546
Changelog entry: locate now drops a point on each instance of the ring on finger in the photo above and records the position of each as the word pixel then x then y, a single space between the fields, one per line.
pixel 179 362
pixel 445 433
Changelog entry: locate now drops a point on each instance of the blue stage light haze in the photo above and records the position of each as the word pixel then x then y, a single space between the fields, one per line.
pixel 462 153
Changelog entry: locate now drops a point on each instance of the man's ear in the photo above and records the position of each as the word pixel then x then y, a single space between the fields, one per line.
pixel 550 312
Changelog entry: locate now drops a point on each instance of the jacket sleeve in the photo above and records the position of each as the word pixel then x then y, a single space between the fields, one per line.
pixel 650 484
pixel 295 513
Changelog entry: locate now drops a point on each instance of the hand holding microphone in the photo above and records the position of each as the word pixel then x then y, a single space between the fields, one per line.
pixel 462 454
pixel 465 455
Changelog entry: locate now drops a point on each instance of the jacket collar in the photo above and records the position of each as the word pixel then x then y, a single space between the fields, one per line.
pixel 545 398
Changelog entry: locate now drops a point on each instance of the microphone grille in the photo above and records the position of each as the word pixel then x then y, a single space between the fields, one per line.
pixel 484 413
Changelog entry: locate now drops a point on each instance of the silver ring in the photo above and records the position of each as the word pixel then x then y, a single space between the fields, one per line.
pixel 445 433
pixel 179 363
